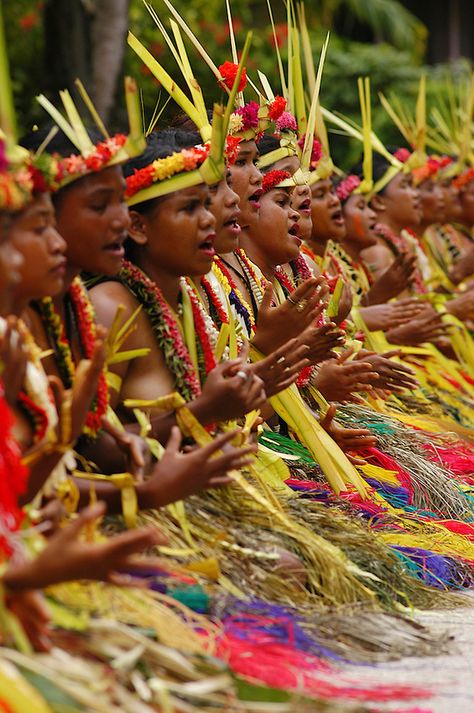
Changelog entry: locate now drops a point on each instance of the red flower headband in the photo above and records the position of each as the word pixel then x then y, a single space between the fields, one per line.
pixel 464 178
pixel 347 186
pixel 273 178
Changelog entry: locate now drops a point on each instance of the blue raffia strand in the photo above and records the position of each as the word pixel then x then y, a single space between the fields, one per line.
pixel 435 570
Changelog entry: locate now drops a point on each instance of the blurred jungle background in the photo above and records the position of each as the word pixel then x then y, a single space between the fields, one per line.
pixel 50 42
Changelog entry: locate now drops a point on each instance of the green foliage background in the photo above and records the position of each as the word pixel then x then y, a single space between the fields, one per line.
pixel 394 62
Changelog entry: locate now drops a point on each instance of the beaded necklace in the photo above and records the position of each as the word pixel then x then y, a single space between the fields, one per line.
pixel 216 308
pixel 205 330
pixel 168 335
pixel 257 283
pixel 83 314
pixel 236 298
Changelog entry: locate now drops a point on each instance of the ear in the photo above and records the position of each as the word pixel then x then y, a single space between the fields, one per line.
pixel 138 228
pixel 377 204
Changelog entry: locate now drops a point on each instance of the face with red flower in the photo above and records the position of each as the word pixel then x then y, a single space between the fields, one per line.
pixel 176 235
pixel 10 264
pixel 360 222
pixel 225 208
pixel 247 181
pixel 33 233
pixel 326 213
pixel 93 218
pixel 432 201
pixel 275 235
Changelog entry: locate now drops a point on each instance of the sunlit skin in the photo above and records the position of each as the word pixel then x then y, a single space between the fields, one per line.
pixel 432 203
pixel 360 222
pixel 93 219
pixel 185 215
pixel 275 241
pixel 399 205
pixel 224 205
pixel 33 233
pixel 326 214
pixel 247 182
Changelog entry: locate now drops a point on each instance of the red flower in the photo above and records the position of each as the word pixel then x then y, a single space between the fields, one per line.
pixel 29 21
pixel 402 154
pixel 232 148
pixel 276 108
pixel 273 178
pixel 140 179
pixel 229 71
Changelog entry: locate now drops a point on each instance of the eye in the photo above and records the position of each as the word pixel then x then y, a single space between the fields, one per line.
pixel 207 203
pixel 191 206
pixel 99 207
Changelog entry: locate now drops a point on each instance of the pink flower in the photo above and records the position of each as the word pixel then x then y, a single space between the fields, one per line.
pixel 249 114
pixel 286 122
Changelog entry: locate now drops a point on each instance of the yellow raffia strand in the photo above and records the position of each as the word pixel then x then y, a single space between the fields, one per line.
pixel 330 573
pixel 126 484
pixel 19 695
pixel 333 306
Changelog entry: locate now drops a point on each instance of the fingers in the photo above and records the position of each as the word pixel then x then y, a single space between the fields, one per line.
pixel 174 441
pixel 217 443
pixel 345 355
pixel 85 517
pixel 329 417
pixel 131 542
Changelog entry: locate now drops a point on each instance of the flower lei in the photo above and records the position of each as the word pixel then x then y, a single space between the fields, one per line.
pixel 347 186
pixel 102 154
pixel 163 168
pixel 205 330
pixel 257 283
pixel 13 479
pixel 55 329
pixel 236 298
pixel 165 329
pixel 218 313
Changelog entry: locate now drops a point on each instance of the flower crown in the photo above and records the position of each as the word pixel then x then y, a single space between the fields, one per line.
pixel 347 186
pixel 24 177
pixel 430 168
pixel 92 158
pixel 163 169
pixel 463 179
pixel 272 179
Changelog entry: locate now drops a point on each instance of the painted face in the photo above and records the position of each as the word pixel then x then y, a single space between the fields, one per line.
pixel 179 233
pixel 402 202
pixel 225 209
pixel 277 232
pixel 301 202
pixel 432 201
pixel 466 197
pixel 11 262
pixel 33 233
pixel 326 212
pixel 360 221
pixel 452 203
pixel 93 218
pixel 247 182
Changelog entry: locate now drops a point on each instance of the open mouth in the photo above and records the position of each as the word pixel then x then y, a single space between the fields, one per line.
pixel 305 206
pixel 60 267
pixel 254 199
pixel 116 247
pixel 207 245
pixel 233 226
pixel 337 217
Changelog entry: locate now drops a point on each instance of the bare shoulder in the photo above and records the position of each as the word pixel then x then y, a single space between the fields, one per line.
pixel 106 298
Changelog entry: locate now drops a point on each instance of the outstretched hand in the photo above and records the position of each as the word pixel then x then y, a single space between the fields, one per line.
pixel 339 380
pixel 178 475
pixel 281 369
pixel 348 439
pixel 67 556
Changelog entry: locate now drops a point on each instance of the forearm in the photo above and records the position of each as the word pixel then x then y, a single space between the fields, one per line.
pixel 39 474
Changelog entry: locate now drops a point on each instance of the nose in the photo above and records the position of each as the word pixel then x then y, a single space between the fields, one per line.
pixel 293 215
pixel 333 200
pixel 255 177
pixel 121 219
pixel 207 219
pixel 231 198
pixel 56 241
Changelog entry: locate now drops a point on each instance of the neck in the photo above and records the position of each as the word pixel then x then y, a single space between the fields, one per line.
pixel 351 249
pixel 391 223
pixel 259 258
pixel 168 283
pixel 317 246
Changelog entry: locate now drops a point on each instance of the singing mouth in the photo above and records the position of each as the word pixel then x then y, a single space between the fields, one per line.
pixel 337 217
pixel 116 247
pixel 255 198
pixel 305 206
pixel 207 245
pixel 232 224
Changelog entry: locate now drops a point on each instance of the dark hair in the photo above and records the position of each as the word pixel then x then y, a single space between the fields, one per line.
pixel 380 166
pixel 159 144
pixel 59 143
pixel 182 121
